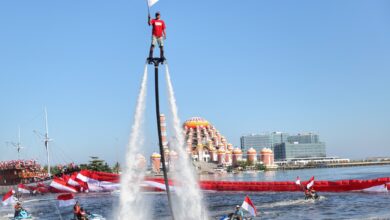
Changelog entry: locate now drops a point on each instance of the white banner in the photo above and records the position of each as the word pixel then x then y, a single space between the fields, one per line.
pixel 152 2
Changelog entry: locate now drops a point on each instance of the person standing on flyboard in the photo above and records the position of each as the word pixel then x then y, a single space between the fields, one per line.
pixel 158 35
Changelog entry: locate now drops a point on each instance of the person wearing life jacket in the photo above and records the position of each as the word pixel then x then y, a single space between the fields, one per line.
pixel 313 194
pixel 83 214
pixel 18 208
pixel 307 193
pixel 238 214
pixel 76 210
pixel 158 35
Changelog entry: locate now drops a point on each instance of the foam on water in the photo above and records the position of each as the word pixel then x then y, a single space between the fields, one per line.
pixel 131 201
pixel 188 201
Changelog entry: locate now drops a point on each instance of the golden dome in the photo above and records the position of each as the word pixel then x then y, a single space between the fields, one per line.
pixel 237 151
pixel 251 151
pixel 266 151
pixel 221 151
pixel 156 155
pixel 195 122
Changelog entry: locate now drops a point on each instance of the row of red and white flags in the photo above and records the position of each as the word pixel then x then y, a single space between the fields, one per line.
pixel 85 181
pixel 69 200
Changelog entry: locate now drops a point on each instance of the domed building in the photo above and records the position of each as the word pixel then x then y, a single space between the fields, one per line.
pixel 267 158
pixel 205 142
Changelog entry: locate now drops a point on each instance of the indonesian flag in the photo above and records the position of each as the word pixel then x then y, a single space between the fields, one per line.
pixel 83 176
pixel 98 181
pixel 8 198
pixel 152 2
pixel 298 181
pixel 60 185
pixel 66 200
pixel 23 189
pixel 248 206
pixel 157 185
pixel 311 183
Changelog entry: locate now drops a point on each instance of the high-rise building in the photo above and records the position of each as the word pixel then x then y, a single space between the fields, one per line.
pixel 285 146
pixel 260 141
pixel 304 138
pixel 285 151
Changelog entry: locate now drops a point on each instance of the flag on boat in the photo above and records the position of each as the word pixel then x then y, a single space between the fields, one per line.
pixel 66 200
pixel 23 189
pixel 298 181
pixel 311 183
pixel 8 198
pixel 248 206
pixel 151 2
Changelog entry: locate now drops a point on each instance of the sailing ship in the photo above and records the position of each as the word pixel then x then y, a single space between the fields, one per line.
pixel 28 172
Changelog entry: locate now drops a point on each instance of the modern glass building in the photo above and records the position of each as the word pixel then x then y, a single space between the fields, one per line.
pixel 304 138
pixel 260 141
pixel 304 145
pixel 285 151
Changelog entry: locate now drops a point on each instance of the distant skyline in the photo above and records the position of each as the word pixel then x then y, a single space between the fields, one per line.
pixel 247 67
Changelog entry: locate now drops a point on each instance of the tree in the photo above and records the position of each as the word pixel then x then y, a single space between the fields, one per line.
pixel 96 164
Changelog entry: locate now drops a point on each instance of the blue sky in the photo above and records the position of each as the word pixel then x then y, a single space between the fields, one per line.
pixel 246 66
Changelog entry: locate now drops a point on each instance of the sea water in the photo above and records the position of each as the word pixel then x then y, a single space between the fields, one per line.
pixel 270 205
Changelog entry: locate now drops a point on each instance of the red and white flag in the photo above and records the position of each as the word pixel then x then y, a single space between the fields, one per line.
pixel 298 181
pixel 152 2
pixel 66 200
pixel 311 183
pixel 8 198
pixel 23 189
pixel 59 185
pixel 248 206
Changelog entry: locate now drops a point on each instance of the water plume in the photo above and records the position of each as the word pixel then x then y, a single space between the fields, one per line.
pixel 131 201
pixel 188 200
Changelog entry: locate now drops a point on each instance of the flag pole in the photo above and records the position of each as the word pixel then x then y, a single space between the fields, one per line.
pixel 147 4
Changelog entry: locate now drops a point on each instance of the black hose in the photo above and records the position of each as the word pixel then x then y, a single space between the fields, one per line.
pixel 164 168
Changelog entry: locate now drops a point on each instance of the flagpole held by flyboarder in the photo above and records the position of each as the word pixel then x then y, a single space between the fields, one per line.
pixel 147 4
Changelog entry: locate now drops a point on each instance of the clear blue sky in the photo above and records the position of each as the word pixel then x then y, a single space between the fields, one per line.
pixel 246 66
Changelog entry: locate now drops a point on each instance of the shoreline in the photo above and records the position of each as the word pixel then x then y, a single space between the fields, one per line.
pixel 335 165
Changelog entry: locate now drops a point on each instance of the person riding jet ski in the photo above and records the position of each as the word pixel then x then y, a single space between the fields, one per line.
pixel 310 194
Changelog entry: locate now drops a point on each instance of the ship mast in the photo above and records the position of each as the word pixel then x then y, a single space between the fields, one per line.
pixel 18 145
pixel 47 140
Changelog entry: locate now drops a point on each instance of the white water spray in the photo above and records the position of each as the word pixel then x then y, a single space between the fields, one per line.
pixel 131 202
pixel 188 200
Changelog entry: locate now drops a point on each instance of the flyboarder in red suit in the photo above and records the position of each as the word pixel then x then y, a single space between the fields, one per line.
pixel 158 35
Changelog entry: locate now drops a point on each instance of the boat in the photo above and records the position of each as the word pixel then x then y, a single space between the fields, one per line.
pixel 27 172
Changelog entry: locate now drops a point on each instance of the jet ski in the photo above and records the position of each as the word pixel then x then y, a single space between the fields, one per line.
pixel 312 195
pixel 95 217
pixel 232 216
pixel 23 214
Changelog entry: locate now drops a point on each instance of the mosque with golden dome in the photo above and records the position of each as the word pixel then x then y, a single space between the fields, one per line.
pixel 205 143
